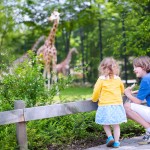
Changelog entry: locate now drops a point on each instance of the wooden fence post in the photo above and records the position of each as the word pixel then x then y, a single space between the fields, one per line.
pixel 21 128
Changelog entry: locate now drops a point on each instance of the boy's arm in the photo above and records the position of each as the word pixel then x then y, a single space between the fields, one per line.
pixel 135 92
pixel 131 87
pixel 134 99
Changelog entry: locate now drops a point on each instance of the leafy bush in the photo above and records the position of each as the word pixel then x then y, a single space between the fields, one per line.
pixel 131 129
pixel 61 131
pixel 27 83
pixel 8 137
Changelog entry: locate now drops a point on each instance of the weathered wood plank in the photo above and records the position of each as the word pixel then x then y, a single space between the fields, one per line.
pixel 21 128
pixel 13 116
pixel 49 111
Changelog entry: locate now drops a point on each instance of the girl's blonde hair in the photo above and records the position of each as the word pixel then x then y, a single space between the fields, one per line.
pixel 108 67
pixel 143 62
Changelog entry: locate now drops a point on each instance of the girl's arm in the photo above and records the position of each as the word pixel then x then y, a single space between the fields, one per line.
pixel 97 90
pixel 122 87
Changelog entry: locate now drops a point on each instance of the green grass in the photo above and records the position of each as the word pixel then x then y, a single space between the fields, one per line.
pixel 74 94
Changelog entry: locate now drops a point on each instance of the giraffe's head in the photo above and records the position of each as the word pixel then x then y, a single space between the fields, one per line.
pixel 74 50
pixel 54 16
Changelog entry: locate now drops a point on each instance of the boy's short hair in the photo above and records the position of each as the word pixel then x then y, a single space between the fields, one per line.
pixel 143 62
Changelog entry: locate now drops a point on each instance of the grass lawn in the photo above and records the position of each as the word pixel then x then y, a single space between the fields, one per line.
pixel 74 94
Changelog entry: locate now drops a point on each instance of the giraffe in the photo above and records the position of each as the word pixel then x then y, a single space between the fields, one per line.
pixel 25 56
pixel 64 66
pixel 49 52
pixel 33 48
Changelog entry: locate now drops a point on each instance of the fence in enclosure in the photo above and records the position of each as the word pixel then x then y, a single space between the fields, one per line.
pixel 20 115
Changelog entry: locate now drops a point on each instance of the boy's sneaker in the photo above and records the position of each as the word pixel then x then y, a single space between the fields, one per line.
pixel 146 139
pixel 110 141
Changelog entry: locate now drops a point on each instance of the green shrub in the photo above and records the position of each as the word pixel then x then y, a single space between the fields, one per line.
pixel 8 139
pixel 27 83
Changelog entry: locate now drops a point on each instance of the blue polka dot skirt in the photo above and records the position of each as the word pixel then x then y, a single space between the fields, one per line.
pixel 110 114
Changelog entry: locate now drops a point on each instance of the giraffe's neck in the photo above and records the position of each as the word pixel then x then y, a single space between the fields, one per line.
pixel 36 44
pixel 68 58
pixel 51 37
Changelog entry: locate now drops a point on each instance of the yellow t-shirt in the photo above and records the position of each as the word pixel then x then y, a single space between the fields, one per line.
pixel 108 91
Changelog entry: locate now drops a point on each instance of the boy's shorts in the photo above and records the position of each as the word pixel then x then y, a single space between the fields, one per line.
pixel 142 110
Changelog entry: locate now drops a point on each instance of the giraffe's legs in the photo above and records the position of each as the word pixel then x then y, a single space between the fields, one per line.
pixel 44 75
pixel 54 61
pixel 48 76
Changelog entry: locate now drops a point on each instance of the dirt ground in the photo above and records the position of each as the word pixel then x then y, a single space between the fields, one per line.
pixel 79 145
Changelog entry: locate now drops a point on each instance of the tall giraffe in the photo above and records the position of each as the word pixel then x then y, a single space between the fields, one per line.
pixel 64 66
pixel 49 52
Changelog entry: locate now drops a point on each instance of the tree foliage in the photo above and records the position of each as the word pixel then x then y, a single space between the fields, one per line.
pixel 124 26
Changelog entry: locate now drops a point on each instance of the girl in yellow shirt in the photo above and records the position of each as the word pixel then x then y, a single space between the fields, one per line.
pixel 108 92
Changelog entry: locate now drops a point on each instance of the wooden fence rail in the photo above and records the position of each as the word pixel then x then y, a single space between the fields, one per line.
pixel 20 115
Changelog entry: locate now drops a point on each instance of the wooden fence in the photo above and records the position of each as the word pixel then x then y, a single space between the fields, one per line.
pixel 20 115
